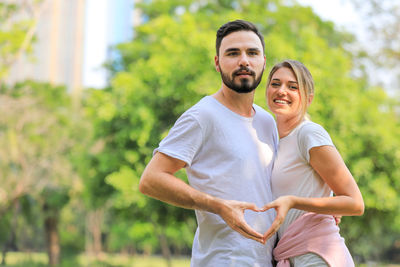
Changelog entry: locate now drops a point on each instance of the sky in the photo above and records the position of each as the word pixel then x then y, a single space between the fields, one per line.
pixel 341 12
pixel 108 22
pixel 346 17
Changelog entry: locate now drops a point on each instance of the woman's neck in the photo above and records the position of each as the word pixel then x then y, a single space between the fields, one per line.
pixel 286 126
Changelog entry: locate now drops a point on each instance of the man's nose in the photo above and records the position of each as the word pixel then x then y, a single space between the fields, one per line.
pixel 244 60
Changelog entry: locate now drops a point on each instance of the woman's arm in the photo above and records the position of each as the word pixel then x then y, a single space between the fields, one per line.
pixel 328 163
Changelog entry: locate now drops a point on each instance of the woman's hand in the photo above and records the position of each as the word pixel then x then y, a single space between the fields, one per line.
pixel 281 205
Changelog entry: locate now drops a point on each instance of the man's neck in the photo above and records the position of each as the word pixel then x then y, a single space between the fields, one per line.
pixel 241 104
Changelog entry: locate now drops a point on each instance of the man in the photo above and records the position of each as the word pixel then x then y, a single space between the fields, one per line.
pixel 227 145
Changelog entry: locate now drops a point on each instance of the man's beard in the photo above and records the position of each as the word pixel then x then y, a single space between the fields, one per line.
pixel 245 85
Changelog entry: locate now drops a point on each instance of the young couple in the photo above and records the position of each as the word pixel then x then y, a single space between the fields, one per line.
pixel 249 177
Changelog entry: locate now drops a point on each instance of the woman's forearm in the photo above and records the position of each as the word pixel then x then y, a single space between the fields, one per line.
pixel 337 205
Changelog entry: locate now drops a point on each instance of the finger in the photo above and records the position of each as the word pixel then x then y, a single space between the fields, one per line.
pixel 269 233
pixel 276 224
pixel 245 234
pixel 267 207
pixel 250 206
pixel 337 218
pixel 250 231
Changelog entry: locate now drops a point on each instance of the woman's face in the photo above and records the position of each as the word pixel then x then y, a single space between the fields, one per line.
pixel 283 94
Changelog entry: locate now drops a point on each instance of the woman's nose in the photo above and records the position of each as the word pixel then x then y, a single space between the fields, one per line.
pixel 281 90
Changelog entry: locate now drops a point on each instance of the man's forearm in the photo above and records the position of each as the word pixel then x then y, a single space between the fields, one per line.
pixel 168 188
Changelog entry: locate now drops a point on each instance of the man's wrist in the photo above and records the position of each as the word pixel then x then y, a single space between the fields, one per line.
pixel 210 204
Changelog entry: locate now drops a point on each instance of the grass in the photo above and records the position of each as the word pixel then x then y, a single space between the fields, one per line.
pixel 24 259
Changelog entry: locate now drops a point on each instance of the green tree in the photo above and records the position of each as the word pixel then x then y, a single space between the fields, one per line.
pixel 17 31
pixel 380 54
pixel 38 132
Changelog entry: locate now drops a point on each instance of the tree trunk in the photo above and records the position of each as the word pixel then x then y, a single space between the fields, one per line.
pixel 52 237
pixel 164 248
pixel 11 242
pixel 163 243
pixel 94 222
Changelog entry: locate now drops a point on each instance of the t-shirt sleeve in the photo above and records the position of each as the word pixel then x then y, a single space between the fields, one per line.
pixel 275 137
pixel 183 140
pixel 312 135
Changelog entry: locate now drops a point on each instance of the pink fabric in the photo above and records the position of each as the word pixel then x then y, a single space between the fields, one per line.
pixel 316 233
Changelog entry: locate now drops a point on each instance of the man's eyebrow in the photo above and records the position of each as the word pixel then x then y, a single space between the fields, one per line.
pixel 231 50
pixel 254 49
pixel 234 49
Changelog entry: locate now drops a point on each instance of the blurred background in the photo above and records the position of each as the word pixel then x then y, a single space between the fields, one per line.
pixel 88 88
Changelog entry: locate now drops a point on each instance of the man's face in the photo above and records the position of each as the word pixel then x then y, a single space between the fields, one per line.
pixel 241 61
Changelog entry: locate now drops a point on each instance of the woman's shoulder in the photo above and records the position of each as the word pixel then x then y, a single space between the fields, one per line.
pixel 309 127
pixel 310 132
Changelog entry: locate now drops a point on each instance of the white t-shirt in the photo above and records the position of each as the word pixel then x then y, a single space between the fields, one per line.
pixel 292 173
pixel 228 156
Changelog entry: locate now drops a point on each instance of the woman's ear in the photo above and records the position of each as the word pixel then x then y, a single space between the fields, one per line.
pixel 310 99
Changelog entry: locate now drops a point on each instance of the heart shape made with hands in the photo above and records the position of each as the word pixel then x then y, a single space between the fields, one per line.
pixel 260 221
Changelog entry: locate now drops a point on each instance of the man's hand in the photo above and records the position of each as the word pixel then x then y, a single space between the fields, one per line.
pixel 282 205
pixel 338 219
pixel 232 212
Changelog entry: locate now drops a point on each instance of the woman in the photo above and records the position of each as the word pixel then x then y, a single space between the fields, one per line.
pixel 307 169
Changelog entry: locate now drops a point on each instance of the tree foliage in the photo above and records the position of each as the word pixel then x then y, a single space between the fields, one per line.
pixel 38 135
pixel 17 31
pixel 381 21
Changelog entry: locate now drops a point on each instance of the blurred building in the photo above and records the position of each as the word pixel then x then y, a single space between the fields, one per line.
pixel 74 40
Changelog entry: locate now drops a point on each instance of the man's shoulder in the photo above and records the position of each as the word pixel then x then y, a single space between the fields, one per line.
pixel 203 108
pixel 262 113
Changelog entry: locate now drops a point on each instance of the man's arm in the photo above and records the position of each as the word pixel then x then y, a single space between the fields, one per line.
pixel 158 181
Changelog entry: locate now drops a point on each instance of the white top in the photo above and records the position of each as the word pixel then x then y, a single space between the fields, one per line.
pixel 228 156
pixel 292 173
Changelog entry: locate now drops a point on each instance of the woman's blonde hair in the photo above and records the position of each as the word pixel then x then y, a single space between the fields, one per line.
pixel 304 80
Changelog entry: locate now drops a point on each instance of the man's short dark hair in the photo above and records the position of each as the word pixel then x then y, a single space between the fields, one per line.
pixel 235 26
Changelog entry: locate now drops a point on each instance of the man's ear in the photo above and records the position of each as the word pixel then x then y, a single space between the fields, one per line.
pixel 216 63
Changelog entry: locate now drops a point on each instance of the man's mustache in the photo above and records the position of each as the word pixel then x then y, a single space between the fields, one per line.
pixel 244 69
